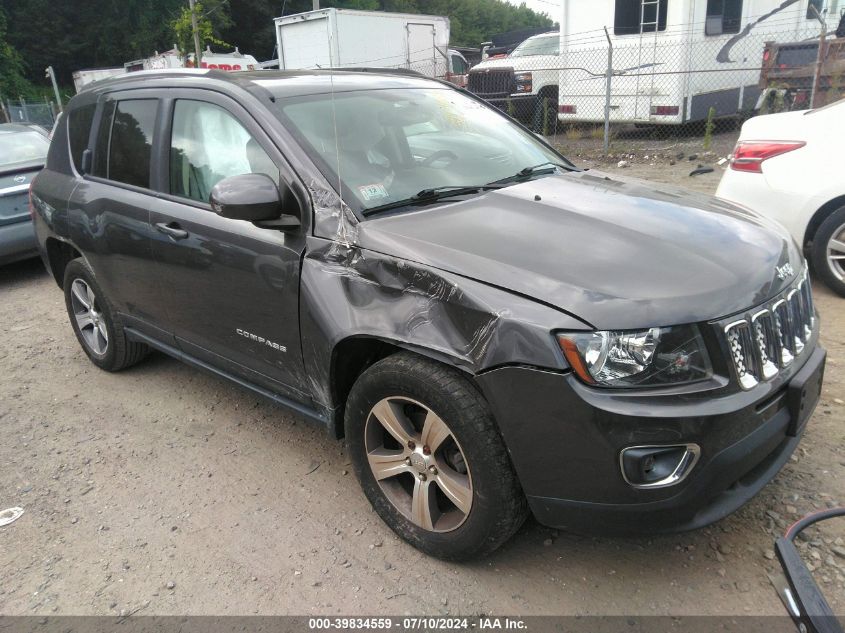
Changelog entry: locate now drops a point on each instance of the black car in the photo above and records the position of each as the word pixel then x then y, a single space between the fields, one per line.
pixel 492 330
pixel 23 149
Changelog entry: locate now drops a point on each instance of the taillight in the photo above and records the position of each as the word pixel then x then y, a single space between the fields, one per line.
pixel 567 109
pixel 766 55
pixel 665 110
pixel 749 155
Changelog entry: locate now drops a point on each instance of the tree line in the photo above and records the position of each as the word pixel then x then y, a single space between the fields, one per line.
pixel 76 34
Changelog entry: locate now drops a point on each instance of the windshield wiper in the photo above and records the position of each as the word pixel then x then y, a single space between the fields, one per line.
pixel 432 194
pixel 527 172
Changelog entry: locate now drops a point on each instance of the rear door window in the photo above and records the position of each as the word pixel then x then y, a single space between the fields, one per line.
pixel 124 141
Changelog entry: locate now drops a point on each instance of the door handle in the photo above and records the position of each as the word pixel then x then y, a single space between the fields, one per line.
pixel 173 230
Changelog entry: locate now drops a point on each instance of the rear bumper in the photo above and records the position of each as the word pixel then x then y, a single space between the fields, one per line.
pixel 565 440
pixel 17 241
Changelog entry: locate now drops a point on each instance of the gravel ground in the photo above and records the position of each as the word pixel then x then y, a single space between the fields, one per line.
pixel 163 490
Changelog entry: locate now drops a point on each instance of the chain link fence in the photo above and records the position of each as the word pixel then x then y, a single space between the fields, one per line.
pixel 22 111
pixel 644 89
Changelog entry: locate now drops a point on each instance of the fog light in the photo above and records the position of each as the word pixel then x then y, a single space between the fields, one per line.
pixel 658 466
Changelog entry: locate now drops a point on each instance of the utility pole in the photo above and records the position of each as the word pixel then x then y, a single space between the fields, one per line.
pixel 197 52
pixel 608 79
pixel 315 5
pixel 817 75
pixel 51 75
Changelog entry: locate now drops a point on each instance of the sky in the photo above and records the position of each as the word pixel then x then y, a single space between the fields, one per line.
pixel 552 8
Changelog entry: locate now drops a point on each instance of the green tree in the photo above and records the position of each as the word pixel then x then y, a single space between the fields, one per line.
pixel 76 34
pixel 12 82
pixel 471 21
pixel 212 16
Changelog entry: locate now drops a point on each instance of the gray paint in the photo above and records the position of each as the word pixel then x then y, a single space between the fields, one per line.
pixel 481 284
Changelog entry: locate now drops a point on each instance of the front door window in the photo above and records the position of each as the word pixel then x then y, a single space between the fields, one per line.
pixel 207 145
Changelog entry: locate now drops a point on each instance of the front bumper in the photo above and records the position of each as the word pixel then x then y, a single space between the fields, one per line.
pixel 17 241
pixel 565 439
pixel 518 106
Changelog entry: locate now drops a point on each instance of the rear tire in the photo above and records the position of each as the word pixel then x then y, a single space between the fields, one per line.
pixel 454 499
pixel 97 326
pixel 828 247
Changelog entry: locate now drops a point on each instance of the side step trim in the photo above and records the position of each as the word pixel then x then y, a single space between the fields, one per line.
pixel 308 412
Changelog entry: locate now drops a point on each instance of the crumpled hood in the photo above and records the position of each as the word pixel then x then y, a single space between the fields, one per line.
pixel 618 254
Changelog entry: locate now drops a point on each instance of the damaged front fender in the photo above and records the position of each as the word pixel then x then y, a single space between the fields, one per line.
pixel 348 292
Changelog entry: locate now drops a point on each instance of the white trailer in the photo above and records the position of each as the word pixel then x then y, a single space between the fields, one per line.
pixel 82 78
pixel 174 58
pixel 346 38
pixel 674 60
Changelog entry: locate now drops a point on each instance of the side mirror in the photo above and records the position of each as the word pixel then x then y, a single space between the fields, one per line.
pixel 253 198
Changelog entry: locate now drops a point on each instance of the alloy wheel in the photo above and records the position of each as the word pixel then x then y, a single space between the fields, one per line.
pixel 836 253
pixel 89 318
pixel 418 464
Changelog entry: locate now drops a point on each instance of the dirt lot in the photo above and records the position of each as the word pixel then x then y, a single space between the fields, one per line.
pixel 163 490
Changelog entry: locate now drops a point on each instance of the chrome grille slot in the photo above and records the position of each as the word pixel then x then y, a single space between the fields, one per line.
pixel 763 342
pixel 763 330
pixel 780 310
pixel 742 353
pixel 809 308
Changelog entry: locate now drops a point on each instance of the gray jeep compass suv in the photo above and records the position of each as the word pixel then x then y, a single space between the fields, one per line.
pixel 493 330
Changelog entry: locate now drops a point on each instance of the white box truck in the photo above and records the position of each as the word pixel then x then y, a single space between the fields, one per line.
pixel 673 60
pixel 82 78
pixel 347 38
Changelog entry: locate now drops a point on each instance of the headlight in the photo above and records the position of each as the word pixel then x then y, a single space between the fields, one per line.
pixel 644 358
pixel 523 82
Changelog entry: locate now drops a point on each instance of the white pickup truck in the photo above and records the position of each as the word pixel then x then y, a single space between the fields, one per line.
pixel 523 84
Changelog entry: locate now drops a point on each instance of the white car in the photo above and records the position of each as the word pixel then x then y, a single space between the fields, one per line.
pixel 789 167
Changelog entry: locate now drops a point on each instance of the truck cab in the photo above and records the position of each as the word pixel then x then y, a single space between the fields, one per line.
pixel 525 83
pixel 458 72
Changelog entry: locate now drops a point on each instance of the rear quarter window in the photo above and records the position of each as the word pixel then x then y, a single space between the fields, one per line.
pixel 79 129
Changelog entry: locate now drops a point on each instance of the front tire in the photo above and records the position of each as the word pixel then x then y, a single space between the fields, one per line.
pixel 430 459
pixel 98 328
pixel 829 251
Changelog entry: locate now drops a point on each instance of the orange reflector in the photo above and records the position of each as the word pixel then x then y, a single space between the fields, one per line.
pixel 573 357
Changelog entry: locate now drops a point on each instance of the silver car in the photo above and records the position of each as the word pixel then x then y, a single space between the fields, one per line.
pixel 23 151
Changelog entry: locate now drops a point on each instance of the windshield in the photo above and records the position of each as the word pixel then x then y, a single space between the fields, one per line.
pixel 22 147
pixel 546 45
pixel 391 144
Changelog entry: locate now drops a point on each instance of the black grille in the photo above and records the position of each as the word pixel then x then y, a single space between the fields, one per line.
pixel 493 82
